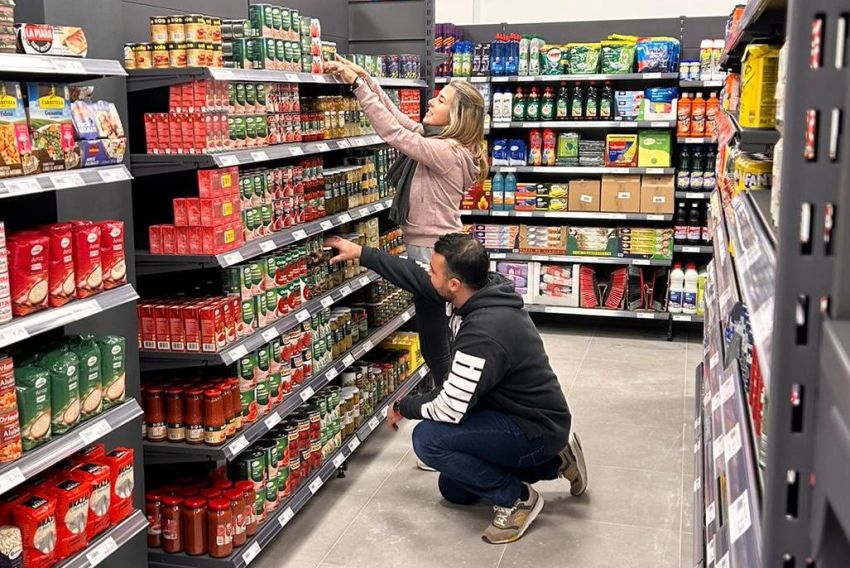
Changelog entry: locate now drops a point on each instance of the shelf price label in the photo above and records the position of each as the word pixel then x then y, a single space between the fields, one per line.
pixel 10 479
pixel 251 553
pixel 237 445
pixel 259 156
pixel 316 485
pixel 238 352
pixel 344 218
pixel 732 442
pixel 497 255
pixel 645 315
pixel 367 346
pixel 740 519
pixel 268 246
pixel 405 316
pixel 100 552
pixel 299 235
pixel 365 281
pixel 302 316
pixel 353 444
pixel 12 335
pixel 373 423
pixel 331 374
pixel 272 420
pixel 95 432
pixel 62 181
pixel 322 147
pixel 499 213
pixel 306 393
pixel 20 186
pixel 727 389
pixel 710 513
pixel 233 258
pixel 384 411
pixel 343 144
pixel 339 460
pixel 326 225
pixel 345 291
pixel 270 334
pixel 327 301
pixel 228 160
pixel 284 518
pixel 717 447
pixel 68 66
pixel 348 360
pixel 296 151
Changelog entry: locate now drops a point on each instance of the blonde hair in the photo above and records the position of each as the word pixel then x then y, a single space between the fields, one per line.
pixel 466 124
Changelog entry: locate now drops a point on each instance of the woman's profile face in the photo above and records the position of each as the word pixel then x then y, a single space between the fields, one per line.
pixel 439 108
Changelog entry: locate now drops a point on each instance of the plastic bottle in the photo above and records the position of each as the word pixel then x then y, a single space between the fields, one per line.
pixel 712 107
pixel 677 289
pixel 512 56
pixel 466 66
pixel 457 62
pixel 498 97
pixel 709 175
pixel 547 105
pixel 716 54
pixel 698 116
pixel 591 102
pixel 683 170
pixel 683 116
pixel 706 233
pixel 518 112
pixel 689 297
pixel 680 229
pixel 498 189
pixel 562 110
pixel 697 175
pixel 606 102
pixel 507 105
pixel 532 106
pixel 524 49
pixel 577 103
pixel 535 148
pixel 695 224
pixel 534 55
pixel 706 51
pixel 702 280
pixel 510 191
pixel 497 55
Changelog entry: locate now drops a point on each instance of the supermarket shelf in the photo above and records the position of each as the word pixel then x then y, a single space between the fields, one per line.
pixel 158 360
pixel 586 124
pixel 699 465
pixel 42 183
pixel 752 139
pixel 589 215
pixel 760 203
pixel 579 170
pixel 35 461
pixel 760 19
pixel 152 164
pixel 141 80
pixel 694 249
pixel 60 69
pixel 21 328
pixel 148 263
pixel 270 528
pixel 600 312
pixel 701 84
pixel 444 80
pixel 696 140
pixel 687 318
pixel 295 399
pixel 693 195
pixel 585 77
pixel 727 286
pixel 104 545
pixel 577 259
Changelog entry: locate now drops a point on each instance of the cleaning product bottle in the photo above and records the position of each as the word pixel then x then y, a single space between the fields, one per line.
pixel 683 116
pixel 498 95
pixel 677 289
pixel 606 102
pixel 498 188
pixel 680 229
pixel 497 54
pixel 507 105
pixel 510 192
pixel 457 62
pixel 518 112
pixel 512 59
pixel 562 111
pixel 698 116
pixel 591 102
pixel 702 280
pixel 547 106
pixel 524 49
pixel 689 297
pixel 577 103
pixel 712 107
pixel 532 106
pixel 705 59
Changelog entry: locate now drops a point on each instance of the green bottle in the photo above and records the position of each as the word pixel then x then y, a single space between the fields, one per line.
pixel 518 113
pixel 547 107
pixel 562 111
pixel 532 105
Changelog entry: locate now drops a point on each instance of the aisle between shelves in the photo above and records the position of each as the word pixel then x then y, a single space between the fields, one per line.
pixel 274 524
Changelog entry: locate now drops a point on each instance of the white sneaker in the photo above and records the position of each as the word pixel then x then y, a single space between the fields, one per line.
pixel 423 466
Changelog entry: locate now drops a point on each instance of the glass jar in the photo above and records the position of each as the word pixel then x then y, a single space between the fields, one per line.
pixel 155 427
pixel 174 414
pixel 172 534
pixel 219 528
pixel 194 520
pixel 237 512
pixel 193 415
pixel 214 418
pixel 249 499
pixel 153 504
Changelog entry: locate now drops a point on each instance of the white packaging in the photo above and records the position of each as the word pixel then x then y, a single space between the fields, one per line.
pixel 689 296
pixel 716 53
pixel 706 59
pixel 676 290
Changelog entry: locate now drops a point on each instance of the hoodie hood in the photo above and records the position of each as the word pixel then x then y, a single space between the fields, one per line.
pixel 499 291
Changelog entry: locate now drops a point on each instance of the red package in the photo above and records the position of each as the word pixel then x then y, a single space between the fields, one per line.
pixel 199 132
pixel 220 322
pixel 72 513
pixel 180 215
pixel 207 319
pixel 187 132
pixel 176 333
pixel 163 133
pixel 192 327
pixel 193 212
pixel 175 142
pixel 35 516
pixel 169 239
pixel 147 325
pixel 151 140
pixel 155 239
pixel 112 254
pixel 97 475
pixel 182 242
pixel 161 325
pixel 122 480
pixel 229 320
pixel 223 181
pixel 28 271
pixel 89 453
pixel 88 268
pixel 60 278
pixel 196 240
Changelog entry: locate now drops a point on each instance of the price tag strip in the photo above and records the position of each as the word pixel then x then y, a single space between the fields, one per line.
pixel 306 393
pixel 339 460
pixel 237 445
pixel 251 553
pixel 272 420
pixel 316 485
pixel 101 551
pixel 95 432
pixel 15 477
pixel 740 519
pixel 285 517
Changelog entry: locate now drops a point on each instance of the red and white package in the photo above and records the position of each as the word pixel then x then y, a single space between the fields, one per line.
pixel 61 282
pixel 88 267
pixel 28 271
pixel 112 254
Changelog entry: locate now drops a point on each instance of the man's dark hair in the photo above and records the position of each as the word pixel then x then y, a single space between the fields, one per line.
pixel 466 259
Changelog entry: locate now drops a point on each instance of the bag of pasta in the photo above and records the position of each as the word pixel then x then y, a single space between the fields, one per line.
pixel 16 156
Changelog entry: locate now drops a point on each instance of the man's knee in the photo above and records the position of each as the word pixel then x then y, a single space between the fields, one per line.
pixel 426 440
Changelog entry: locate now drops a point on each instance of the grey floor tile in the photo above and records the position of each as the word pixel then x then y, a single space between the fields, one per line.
pixel 554 541
pixel 650 447
pixel 625 380
pixel 407 483
pixel 388 533
pixel 688 503
pixel 621 496
pixel 687 560
pixel 374 461
pixel 637 407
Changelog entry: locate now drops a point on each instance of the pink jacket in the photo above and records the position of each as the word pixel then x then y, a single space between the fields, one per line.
pixel 445 168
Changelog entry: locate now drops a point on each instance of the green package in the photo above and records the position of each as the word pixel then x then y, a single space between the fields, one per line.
pixel 583 57
pixel 551 60
pixel 568 148
pixel 246 371
pixel 113 353
pixel 617 57
pixel 63 368
pixel 91 383
pixel 32 388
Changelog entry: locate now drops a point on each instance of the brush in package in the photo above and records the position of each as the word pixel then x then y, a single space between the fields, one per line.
pixel 602 286
pixel 647 288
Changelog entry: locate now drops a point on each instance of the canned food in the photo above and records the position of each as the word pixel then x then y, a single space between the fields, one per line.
pixel 217 56
pixel 129 56
pixel 177 55
pixel 196 55
pixel 176 28
pixel 159 30
pixel 195 28
pixel 250 466
pixel 215 30
pixel 144 55
pixel 160 56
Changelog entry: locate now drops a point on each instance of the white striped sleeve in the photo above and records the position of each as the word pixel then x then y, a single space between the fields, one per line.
pixel 452 403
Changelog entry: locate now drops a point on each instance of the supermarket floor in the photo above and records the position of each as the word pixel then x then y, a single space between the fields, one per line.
pixel 631 393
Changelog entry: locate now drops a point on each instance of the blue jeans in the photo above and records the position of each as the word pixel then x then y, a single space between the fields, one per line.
pixel 486 456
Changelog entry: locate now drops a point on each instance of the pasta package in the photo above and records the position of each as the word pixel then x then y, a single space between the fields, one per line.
pixel 51 127
pixel 44 39
pixel 16 155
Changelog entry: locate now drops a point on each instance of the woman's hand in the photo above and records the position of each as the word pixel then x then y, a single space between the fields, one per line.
pixel 362 73
pixel 340 71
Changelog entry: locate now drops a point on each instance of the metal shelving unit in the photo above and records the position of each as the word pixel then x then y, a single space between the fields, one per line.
pixel 104 545
pixel 586 170
pixel 585 215
pixel 276 522
pixel 597 312
pixel 578 259
pixel 56 181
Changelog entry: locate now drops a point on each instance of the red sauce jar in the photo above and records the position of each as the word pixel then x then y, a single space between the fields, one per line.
pixel 193 415
pixel 212 493
pixel 153 502
pixel 174 414
pixel 214 418
pixel 236 402
pixel 249 498
pixel 219 528
pixel 172 534
pixel 155 428
pixel 195 526
pixel 223 484
pixel 229 411
pixel 237 512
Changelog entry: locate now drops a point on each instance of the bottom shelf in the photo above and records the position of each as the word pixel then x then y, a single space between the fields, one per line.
pixel 272 526
pixel 107 543
pixel 600 312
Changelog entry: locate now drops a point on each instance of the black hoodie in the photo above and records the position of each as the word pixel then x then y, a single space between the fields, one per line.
pixel 498 360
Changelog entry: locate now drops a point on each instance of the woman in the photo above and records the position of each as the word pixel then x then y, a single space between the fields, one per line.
pixel 441 157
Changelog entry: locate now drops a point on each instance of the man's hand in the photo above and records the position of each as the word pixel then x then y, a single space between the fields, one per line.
pixel 393 418
pixel 346 250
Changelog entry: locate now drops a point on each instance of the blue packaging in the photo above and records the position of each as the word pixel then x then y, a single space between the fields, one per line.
pixel 658 55
pixel 517 153
pixel 661 94
pixel 500 152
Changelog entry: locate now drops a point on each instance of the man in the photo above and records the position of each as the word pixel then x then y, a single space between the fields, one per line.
pixel 499 421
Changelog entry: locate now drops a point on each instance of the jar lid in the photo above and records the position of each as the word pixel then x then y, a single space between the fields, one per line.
pixel 233 494
pixel 174 390
pixel 154 389
pixel 171 500
pixel 211 493
pixel 194 502
pixel 212 392
pixel 153 496
pixel 244 486
pixel 219 504
pixel 222 484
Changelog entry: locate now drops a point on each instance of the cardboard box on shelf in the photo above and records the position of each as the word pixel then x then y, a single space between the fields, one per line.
pixel 655 148
pixel 584 195
pixel 497 238
pixel 478 197
pixel 520 273
pixel 620 194
pixel 542 239
pixel 657 194
pixel 592 241
pixel 555 284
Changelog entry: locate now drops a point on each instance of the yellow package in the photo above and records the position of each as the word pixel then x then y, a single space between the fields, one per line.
pixel 753 173
pixel 759 73
pixel 621 150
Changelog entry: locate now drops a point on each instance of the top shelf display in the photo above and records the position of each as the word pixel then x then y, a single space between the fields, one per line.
pixel 61 69
pixel 559 78
pixel 759 19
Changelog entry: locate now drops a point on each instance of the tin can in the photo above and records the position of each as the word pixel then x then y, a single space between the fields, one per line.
pixel 215 30
pixel 195 28
pixel 217 56
pixel 694 71
pixel 177 55
pixel 159 30
pixel 295 22
pixel 143 53
pixel 195 54
pixel 176 28
pixel 129 56
pixel 250 466
pixel 159 54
